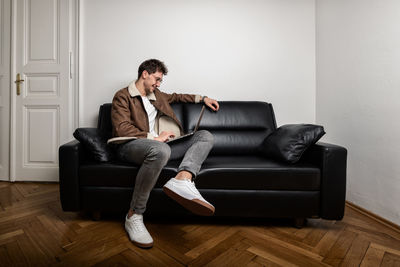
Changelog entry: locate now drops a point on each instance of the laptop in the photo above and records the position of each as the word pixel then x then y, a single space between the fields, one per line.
pixel 173 140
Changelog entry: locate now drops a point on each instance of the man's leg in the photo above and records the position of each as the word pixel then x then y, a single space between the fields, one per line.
pixel 200 146
pixel 152 156
pixel 181 188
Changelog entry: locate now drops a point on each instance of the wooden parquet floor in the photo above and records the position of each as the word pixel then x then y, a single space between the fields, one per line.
pixel 34 231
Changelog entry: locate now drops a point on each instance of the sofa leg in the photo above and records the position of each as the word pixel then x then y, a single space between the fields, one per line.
pixel 96 215
pixel 299 222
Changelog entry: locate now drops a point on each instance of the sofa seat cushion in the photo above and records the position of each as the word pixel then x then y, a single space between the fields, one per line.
pixel 257 173
pixel 114 174
pixel 218 172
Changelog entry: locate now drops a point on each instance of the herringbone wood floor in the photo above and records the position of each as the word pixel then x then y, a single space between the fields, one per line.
pixel 34 231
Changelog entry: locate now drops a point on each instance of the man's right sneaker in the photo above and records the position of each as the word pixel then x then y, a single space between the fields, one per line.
pixel 185 193
pixel 137 232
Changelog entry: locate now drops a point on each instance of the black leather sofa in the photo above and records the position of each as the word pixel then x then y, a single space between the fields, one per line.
pixel 236 177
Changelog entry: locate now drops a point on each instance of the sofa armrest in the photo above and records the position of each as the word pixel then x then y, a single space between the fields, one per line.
pixel 70 157
pixel 331 160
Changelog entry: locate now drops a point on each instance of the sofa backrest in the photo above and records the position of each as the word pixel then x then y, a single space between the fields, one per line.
pixel 104 120
pixel 239 127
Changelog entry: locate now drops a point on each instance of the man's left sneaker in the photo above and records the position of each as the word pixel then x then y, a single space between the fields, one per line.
pixel 185 193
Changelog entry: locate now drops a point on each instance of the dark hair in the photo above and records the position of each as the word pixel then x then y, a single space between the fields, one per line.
pixel 152 66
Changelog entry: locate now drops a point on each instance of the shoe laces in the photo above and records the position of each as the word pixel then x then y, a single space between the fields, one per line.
pixel 192 186
pixel 138 225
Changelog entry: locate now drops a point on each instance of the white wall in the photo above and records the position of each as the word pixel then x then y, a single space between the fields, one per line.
pixel 229 50
pixel 358 96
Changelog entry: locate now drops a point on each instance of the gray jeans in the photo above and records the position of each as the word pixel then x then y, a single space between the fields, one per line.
pixel 153 155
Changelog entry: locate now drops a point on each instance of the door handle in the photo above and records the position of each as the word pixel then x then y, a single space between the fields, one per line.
pixel 18 82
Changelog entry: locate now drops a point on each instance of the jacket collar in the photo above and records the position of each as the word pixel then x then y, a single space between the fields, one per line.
pixel 133 91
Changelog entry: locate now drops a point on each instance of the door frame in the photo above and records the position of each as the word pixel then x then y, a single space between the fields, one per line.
pixel 74 12
pixel 5 76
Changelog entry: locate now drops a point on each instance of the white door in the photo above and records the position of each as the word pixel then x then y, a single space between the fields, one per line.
pixel 4 89
pixel 40 113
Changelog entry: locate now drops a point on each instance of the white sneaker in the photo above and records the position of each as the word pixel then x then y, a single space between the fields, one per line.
pixel 137 232
pixel 185 193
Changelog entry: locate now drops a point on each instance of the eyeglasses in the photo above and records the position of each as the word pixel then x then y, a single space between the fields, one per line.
pixel 158 79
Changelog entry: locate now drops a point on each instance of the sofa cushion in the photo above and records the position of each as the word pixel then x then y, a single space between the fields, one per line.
pixel 239 127
pixel 95 142
pixel 290 141
pixel 115 174
pixel 257 173
pixel 218 172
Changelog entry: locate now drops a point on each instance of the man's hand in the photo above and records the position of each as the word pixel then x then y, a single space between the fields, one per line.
pixel 213 104
pixel 165 136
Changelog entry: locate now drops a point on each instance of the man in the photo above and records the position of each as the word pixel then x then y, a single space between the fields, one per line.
pixel 143 113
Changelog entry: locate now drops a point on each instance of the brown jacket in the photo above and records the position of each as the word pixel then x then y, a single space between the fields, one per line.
pixel 129 118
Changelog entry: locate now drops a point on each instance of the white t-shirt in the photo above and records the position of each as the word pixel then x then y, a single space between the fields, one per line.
pixel 151 114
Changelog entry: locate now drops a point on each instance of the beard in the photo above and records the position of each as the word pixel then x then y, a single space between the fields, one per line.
pixel 149 90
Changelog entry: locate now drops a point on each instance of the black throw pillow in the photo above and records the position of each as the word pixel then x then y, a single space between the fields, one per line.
pixel 95 141
pixel 289 141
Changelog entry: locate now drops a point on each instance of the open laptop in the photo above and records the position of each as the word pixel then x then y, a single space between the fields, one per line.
pixel 173 140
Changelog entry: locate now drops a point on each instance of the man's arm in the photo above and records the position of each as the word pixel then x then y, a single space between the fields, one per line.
pixel 187 98
pixel 184 98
